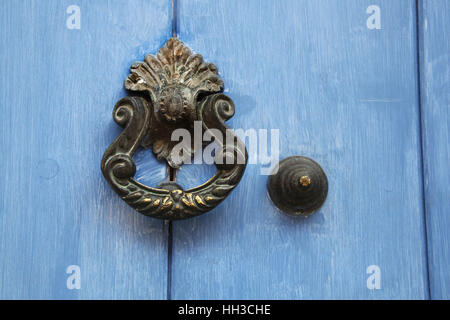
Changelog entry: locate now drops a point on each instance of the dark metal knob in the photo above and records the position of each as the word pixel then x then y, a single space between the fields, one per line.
pixel 298 186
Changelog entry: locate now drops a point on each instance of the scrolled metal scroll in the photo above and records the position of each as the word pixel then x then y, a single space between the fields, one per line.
pixel 181 89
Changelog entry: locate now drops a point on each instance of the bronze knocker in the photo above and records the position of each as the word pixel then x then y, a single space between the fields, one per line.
pixel 176 89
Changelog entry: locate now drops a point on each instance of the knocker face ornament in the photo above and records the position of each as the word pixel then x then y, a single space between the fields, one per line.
pixel 177 88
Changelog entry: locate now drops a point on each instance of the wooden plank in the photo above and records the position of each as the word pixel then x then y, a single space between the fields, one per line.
pixel 435 106
pixel 342 94
pixel 58 88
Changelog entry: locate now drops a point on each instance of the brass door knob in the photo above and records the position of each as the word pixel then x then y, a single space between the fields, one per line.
pixel 178 90
pixel 299 187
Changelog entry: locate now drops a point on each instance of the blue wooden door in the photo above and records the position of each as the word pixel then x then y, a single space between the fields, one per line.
pixel 362 87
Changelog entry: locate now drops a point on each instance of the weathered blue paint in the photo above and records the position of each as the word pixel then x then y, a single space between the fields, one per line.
pixel 341 94
pixel 435 93
pixel 57 91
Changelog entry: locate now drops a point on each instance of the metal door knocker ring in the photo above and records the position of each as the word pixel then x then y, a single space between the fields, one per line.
pixel 177 88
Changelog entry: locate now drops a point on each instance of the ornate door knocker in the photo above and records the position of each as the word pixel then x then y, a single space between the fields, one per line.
pixel 176 88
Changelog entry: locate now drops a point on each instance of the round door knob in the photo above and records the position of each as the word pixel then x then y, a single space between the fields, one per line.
pixel 298 186
pixel 176 89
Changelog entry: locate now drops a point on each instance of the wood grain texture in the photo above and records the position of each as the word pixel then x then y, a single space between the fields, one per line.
pixel 341 94
pixel 435 102
pixel 58 88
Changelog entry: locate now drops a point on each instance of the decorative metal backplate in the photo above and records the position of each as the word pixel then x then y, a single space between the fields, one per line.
pixel 177 87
